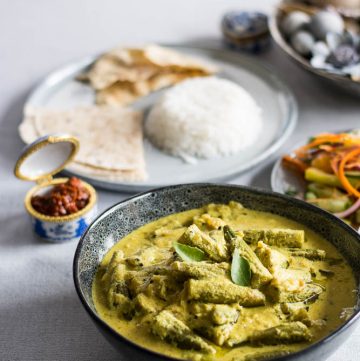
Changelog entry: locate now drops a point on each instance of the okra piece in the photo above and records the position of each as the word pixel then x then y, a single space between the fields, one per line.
pixel 118 281
pixel 288 332
pixel 205 314
pixel 148 257
pixel 166 326
pixel 116 259
pixel 290 308
pixel 300 315
pixel 296 312
pixel 121 303
pixel 290 278
pixel 215 250
pixel 307 293
pixel 157 269
pixel 138 283
pixel 118 273
pixel 216 334
pixel 163 287
pixel 260 275
pixel 272 259
pixel 312 254
pixel 222 291
pixel 145 305
pixel 275 237
pixel 199 270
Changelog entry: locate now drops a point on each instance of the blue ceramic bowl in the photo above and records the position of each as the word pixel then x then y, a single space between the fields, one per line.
pixel 246 31
pixel 126 216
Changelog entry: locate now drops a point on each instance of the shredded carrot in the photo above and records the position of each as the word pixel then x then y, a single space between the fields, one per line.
pixel 327 148
pixel 341 172
pixel 328 138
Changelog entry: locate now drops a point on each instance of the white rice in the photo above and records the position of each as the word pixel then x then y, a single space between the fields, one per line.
pixel 205 118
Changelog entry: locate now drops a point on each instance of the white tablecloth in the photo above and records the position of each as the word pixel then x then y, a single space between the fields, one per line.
pixel 40 315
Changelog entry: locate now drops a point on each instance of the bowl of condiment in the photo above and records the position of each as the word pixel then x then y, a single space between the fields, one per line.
pixel 60 208
pixel 321 40
pixel 220 272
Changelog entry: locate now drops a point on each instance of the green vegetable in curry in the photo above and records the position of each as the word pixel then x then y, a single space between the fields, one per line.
pixel 223 283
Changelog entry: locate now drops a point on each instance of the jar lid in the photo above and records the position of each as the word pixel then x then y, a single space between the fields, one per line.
pixel 46 156
pixel 244 24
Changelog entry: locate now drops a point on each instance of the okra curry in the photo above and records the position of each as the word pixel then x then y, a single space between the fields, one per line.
pixel 224 283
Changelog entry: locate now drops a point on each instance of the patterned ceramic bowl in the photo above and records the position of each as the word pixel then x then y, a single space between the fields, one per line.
pixel 247 31
pixel 64 228
pixel 126 216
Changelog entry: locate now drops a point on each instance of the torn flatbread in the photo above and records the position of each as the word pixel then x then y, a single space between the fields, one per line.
pixel 122 75
pixel 111 138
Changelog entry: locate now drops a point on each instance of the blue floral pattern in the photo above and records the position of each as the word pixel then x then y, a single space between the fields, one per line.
pixel 63 231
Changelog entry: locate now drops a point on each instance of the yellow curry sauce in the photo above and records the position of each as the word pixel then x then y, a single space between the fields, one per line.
pixel 223 337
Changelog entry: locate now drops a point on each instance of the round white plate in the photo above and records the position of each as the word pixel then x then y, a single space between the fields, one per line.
pixel 286 181
pixel 60 90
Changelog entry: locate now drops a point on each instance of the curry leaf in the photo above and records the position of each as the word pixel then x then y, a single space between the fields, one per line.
pixel 240 269
pixel 188 253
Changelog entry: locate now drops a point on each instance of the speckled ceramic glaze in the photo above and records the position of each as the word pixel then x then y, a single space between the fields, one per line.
pixel 124 217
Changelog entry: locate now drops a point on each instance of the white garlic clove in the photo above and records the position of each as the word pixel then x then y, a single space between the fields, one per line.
pixel 320 48
pixel 326 21
pixel 294 21
pixel 318 62
pixel 303 42
pixel 333 40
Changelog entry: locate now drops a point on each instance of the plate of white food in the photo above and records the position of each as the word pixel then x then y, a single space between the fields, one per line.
pixel 153 116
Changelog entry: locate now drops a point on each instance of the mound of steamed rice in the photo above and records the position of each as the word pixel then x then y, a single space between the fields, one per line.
pixel 205 118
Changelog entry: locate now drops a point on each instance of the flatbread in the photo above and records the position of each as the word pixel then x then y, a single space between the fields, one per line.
pixel 108 70
pixel 123 75
pixel 116 94
pixel 122 93
pixel 163 80
pixel 111 138
pixel 129 56
pixel 109 175
pixel 168 58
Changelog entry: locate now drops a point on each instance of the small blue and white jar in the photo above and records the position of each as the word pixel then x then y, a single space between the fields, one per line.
pixel 246 31
pixel 39 162
pixel 62 228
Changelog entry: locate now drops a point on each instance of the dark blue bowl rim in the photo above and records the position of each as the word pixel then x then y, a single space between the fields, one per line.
pixel 253 190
